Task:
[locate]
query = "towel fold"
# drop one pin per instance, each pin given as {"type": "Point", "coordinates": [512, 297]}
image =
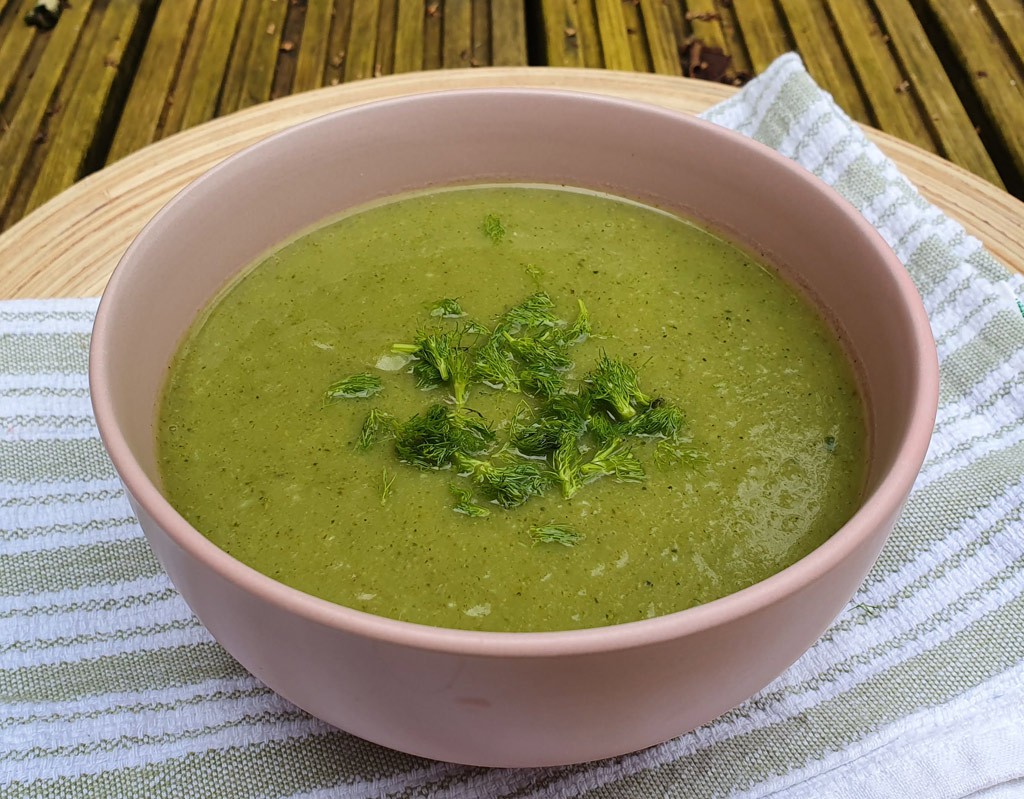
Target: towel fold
{"type": "Point", "coordinates": [109, 685]}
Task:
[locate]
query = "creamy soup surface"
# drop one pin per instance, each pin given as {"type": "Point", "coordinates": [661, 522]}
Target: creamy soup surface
{"type": "Point", "coordinates": [252, 456]}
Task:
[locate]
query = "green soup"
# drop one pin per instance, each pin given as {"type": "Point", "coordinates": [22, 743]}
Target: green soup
{"type": "Point", "coordinates": [253, 458]}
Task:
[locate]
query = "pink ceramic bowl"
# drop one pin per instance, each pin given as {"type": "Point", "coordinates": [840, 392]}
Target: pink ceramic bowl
{"type": "Point", "coordinates": [513, 699]}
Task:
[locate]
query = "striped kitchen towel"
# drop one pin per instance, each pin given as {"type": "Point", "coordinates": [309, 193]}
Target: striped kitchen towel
{"type": "Point", "coordinates": [110, 687]}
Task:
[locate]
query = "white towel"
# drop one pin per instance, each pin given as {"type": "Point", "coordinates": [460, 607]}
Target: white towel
{"type": "Point", "coordinates": [109, 685]}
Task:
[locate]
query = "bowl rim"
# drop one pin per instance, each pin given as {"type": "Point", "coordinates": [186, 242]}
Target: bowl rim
{"type": "Point", "coordinates": [883, 503]}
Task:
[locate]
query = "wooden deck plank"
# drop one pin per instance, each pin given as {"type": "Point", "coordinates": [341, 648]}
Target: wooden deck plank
{"type": "Point", "coordinates": [288, 50]}
{"type": "Point", "coordinates": [819, 47]}
{"type": "Point", "coordinates": [15, 43]}
{"type": "Point", "coordinates": [409, 36]}
{"type": "Point", "coordinates": [238, 63]}
{"type": "Point", "coordinates": [263, 53]}
{"type": "Point", "coordinates": [16, 144]}
{"type": "Point", "coordinates": [480, 52]}
{"type": "Point", "coordinates": [313, 46]}
{"type": "Point", "coordinates": [384, 60]}
{"type": "Point", "coordinates": [993, 75]}
{"type": "Point", "coordinates": [360, 54]}
{"type": "Point", "coordinates": [705, 23]}
{"type": "Point", "coordinates": [885, 85]}
{"type": "Point", "coordinates": [707, 20]}
{"type": "Point", "coordinates": [508, 33]}
{"type": "Point", "coordinates": [185, 82]}
{"type": "Point", "coordinates": [561, 34]}
{"type": "Point", "coordinates": [42, 144]}
{"type": "Point", "coordinates": [735, 47]}
{"type": "Point", "coordinates": [663, 45]}
{"type": "Point", "coordinates": [84, 113]}
{"type": "Point", "coordinates": [458, 33]}
{"type": "Point", "coordinates": [432, 35]}
{"type": "Point", "coordinates": [611, 25]}
{"type": "Point", "coordinates": [151, 87]}
{"type": "Point", "coordinates": [763, 32]}
{"type": "Point", "coordinates": [588, 36]}
{"type": "Point", "coordinates": [635, 35]}
{"type": "Point", "coordinates": [950, 125]}
{"type": "Point", "coordinates": [205, 65]}
{"type": "Point", "coordinates": [1009, 19]}
{"type": "Point", "coordinates": [341, 26]}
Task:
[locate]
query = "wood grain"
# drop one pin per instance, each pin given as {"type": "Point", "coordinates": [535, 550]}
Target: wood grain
{"type": "Point", "coordinates": [950, 125]}
{"type": "Point", "coordinates": [154, 80]}
{"type": "Point", "coordinates": [660, 40]}
{"type": "Point", "coordinates": [884, 83]}
{"type": "Point", "coordinates": [409, 36]}
{"type": "Point", "coordinates": [16, 144]}
{"type": "Point", "coordinates": [994, 75]}
{"type": "Point", "coordinates": [823, 54]}
{"type": "Point", "coordinates": [309, 67]}
{"type": "Point", "coordinates": [611, 23]}
{"type": "Point", "coordinates": [763, 31]}
{"type": "Point", "coordinates": [83, 114]}
{"type": "Point", "coordinates": [69, 246]}
{"type": "Point", "coordinates": [508, 33]}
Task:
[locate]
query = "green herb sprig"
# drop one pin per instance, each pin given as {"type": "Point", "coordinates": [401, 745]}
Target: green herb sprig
{"type": "Point", "coordinates": [566, 433]}
{"type": "Point", "coordinates": [360, 385]}
{"type": "Point", "coordinates": [555, 534]}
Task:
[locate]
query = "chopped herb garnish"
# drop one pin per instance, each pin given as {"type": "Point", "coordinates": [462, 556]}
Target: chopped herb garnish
{"type": "Point", "coordinates": [387, 482]}
{"type": "Point", "coordinates": [568, 463]}
{"type": "Point", "coordinates": [440, 358]}
{"type": "Point", "coordinates": [674, 452]}
{"type": "Point", "coordinates": [558, 417]}
{"type": "Point", "coordinates": [615, 383]}
{"type": "Point", "coordinates": [510, 485]}
{"type": "Point", "coordinates": [493, 228]}
{"type": "Point", "coordinates": [537, 310]}
{"type": "Point", "coordinates": [555, 534]}
{"type": "Point", "coordinates": [566, 432]}
{"type": "Point", "coordinates": [658, 421]}
{"type": "Point", "coordinates": [378, 426]}
{"type": "Point", "coordinates": [464, 502]}
{"type": "Point", "coordinates": [435, 439]}
{"type": "Point", "coordinates": [448, 308]}
{"type": "Point", "coordinates": [579, 331]}
{"type": "Point", "coordinates": [494, 366]}
{"type": "Point", "coordinates": [360, 385]}
{"type": "Point", "coordinates": [615, 460]}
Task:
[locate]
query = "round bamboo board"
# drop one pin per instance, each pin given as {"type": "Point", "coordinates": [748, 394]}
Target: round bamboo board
{"type": "Point", "coordinates": [69, 246]}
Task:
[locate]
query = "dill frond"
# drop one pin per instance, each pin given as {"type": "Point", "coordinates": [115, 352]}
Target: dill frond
{"type": "Point", "coordinates": [657, 421]}
{"type": "Point", "coordinates": [509, 486]}
{"type": "Point", "coordinates": [387, 483]}
{"type": "Point", "coordinates": [616, 383]}
{"type": "Point", "coordinates": [580, 330]}
{"type": "Point", "coordinates": [378, 426]}
{"type": "Point", "coordinates": [555, 534]}
{"type": "Point", "coordinates": [494, 229]}
{"type": "Point", "coordinates": [675, 452]}
{"type": "Point", "coordinates": [435, 439]}
{"type": "Point", "coordinates": [615, 460]}
{"type": "Point", "coordinates": [360, 385]}
{"type": "Point", "coordinates": [448, 308]}
{"type": "Point", "coordinates": [568, 462]}
{"type": "Point", "coordinates": [464, 503]}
